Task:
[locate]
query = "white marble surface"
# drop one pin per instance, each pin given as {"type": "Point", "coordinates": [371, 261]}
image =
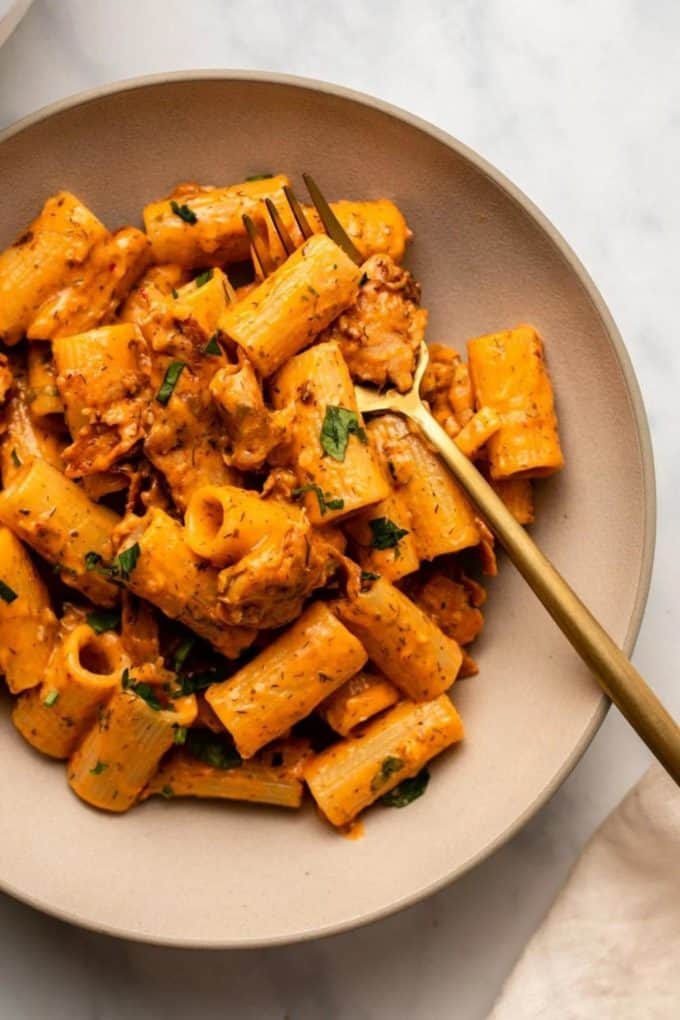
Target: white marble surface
{"type": "Point", "coordinates": [578, 103]}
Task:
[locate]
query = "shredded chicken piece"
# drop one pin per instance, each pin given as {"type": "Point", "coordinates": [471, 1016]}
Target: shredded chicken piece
{"type": "Point", "coordinates": [253, 430]}
{"type": "Point", "coordinates": [115, 409]}
{"type": "Point", "coordinates": [448, 389]}
{"type": "Point", "coordinates": [190, 421]}
{"type": "Point", "coordinates": [268, 586]}
{"type": "Point", "coordinates": [380, 334]}
{"type": "Point", "coordinates": [454, 605]}
{"type": "Point", "coordinates": [279, 485]}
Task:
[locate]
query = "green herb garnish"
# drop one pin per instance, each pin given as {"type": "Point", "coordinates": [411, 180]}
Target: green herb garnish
{"type": "Point", "coordinates": [126, 561]}
{"type": "Point", "coordinates": [167, 792]}
{"type": "Point", "coordinates": [147, 693]}
{"type": "Point", "coordinates": [175, 293]}
{"type": "Point", "coordinates": [388, 768]}
{"type": "Point", "coordinates": [326, 501]}
{"type": "Point", "coordinates": [204, 277]}
{"type": "Point", "coordinates": [103, 621]}
{"type": "Point", "coordinates": [7, 594]}
{"type": "Point", "coordinates": [338, 424]}
{"type": "Point", "coordinates": [212, 750]}
{"type": "Point", "coordinates": [172, 374]}
{"type": "Point", "coordinates": [364, 279]}
{"type": "Point", "coordinates": [407, 791]}
{"type": "Point", "coordinates": [197, 682]}
{"type": "Point", "coordinates": [259, 177]}
{"type": "Point", "coordinates": [386, 534]}
{"type": "Point", "coordinates": [51, 699]}
{"type": "Point", "coordinates": [184, 212]}
{"type": "Point", "coordinates": [179, 656]}
{"type": "Point", "coordinates": [121, 567]}
{"type": "Point", "coordinates": [125, 678]}
{"type": "Point", "coordinates": [16, 459]}
{"type": "Point", "coordinates": [180, 735]}
{"type": "Point", "coordinates": [212, 346]}
{"type": "Point", "coordinates": [100, 767]}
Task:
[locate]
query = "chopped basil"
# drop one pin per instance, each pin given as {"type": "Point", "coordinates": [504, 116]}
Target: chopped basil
{"type": "Point", "coordinates": [6, 593]}
{"type": "Point", "coordinates": [147, 693]}
{"type": "Point", "coordinates": [197, 682]}
{"type": "Point", "coordinates": [16, 459]}
{"type": "Point", "coordinates": [121, 567]}
{"type": "Point", "coordinates": [203, 278]}
{"type": "Point", "coordinates": [126, 561]}
{"type": "Point", "coordinates": [180, 654]}
{"type": "Point", "coordinates": [259, 177]}
{"type": "Point", "coordinates": [175, 293]}
{"type": "Point", "coordinates": [184, 212]}
{"type": "Point", "coordinates": [386, 534]}
{"type": "Point", "coordinates": [213, 750]}
{"type": "Point", "coordinates": [338, 424]}
{"type": "Point", "coordinates": [103, 621]}
{"type": "Point", "coordinates": [180, 735]}
{"type": "Point", "coordinates": [212, 346]}
{"type": "Point", "coordinates": [326, 502]}
{"type": "Point", "coordinates": [167, 792]}
{"type": "Point", "coordinates": [388, 768]}
{"type": "Point", "coordinates": [51, 699]}
{"type": "Point", "coordinates": [172, 374]}
{"type": "Point", "coordinates": [125, 679]}
{"type": "Point", "coordinates": [407, 791]}
{"type": "Point", "coordinates": [100, 767]}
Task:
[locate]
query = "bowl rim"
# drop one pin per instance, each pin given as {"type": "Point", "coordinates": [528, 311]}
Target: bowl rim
{"type": "Point", "coordinates": [529, 209]}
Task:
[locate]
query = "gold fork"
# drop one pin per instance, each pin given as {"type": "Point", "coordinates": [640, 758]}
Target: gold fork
{"type": "Point", "coordinates": [616, 675]}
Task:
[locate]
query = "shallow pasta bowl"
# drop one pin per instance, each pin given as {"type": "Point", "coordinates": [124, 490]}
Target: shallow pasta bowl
{"type": "Point", "coordinates": [219, 875]}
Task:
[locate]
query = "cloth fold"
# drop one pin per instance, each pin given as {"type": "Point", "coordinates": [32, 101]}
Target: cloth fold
{"type": "Point", "coordinates": [609, 948]}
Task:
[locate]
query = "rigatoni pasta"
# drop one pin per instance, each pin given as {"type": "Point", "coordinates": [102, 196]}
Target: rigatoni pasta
{"type": "Point", "coordinates": [217, 580]}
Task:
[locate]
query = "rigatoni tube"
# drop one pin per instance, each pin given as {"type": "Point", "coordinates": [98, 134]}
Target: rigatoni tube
{"type": "Point", "coordinates": [441, 517]}
{"type": "Point", "coordinates": [182, 775]}
{"type": "Point", "coordinates": [48, 254]}
{"type": "Point", "coordinates": [401, 640]}
{"type": "Point", "coordinates": [84, 671]}
{"type": "Point", "coordinates": [359, 698]}
{"type": "Point", "coordinates": [54, 516]}
{"type": "Point", "coordinates": [293, 305]}
{"type": "Point", "coordinates": [170, 576]}
{"type": "Point", "coordinates": [509, 375]}
{"type": "Point", "coordinates": [197, 227]}
{"type": "Point", "coordinates": [27, 624]}
{"type": "Point", "coordinates": [350, 775]}
{"type": "Point", "coordinates": [223, 522]}
{"type": "Point", "coordinates": [119, 754]}
{"type": "Point", "coordinates": [286, 681]}
{"type": "Point", "coordinates": [347, 478]}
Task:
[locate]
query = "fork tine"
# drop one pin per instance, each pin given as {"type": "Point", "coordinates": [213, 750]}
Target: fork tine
{"type": "Point", "coordinates": [259, 246]}
{"type": "Point", "coordinates": [334, 229]}
{"type": "Point", "coordinates": [297, 212]}
{"type": "Point", "coordinates": [284, 237]}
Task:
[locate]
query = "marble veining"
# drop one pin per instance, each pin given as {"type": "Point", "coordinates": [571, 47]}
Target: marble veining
{"type": "Point", "coordinates": [577, 103]}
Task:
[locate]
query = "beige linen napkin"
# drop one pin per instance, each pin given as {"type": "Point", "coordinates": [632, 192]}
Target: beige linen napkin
{"type": "Point", "coordinates": [609, 948]}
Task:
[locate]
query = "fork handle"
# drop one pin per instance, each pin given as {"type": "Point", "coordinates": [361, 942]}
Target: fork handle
{"type": "Point", "coordinates": [614, 672]}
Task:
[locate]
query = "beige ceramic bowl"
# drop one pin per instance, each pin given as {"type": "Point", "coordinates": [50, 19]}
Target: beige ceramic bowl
{"type": "Point", "coordinates": [201, 874]}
